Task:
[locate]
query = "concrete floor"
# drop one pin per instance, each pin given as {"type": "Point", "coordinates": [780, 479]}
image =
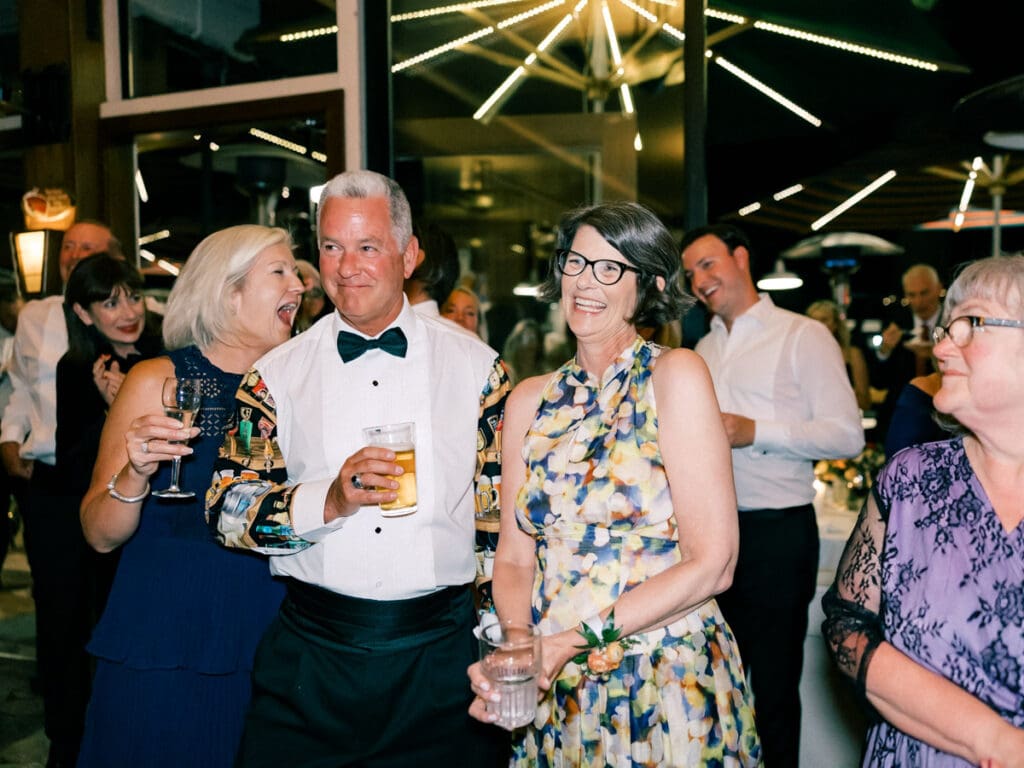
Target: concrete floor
{"type": "Point", "coordinates": [22, 741]}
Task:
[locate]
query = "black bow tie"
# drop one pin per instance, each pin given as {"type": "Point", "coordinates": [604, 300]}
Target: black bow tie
{"type": "Point", "coordinates": [351, 346]}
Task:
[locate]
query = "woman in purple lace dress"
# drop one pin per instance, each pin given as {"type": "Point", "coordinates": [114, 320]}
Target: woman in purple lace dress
{"type": "Point", "coordinates": [927, 611]}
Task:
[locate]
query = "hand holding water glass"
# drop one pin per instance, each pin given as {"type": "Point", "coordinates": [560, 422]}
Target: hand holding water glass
{"type": "Point", "coordinates": [510, 658]}
{"type": "Point", "coordinates": [181, 399]}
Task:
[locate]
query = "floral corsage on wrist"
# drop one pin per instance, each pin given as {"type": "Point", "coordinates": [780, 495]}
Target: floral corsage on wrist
{"type": "Point", "coordinates": [604, 649]}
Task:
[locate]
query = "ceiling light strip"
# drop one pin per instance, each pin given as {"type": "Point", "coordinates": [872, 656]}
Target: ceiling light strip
{"type": "Point", "coordinates": [768, 91]}
{"type": "Point", "coordinates": [735, 18]}
{"type": "Point", "coordinates": [445, 9]}
{"type": "Point", "coordinates": [513, 20]}
{"type": "Point", "coordinates": [163, 234]}
{"type": "Point", "coordinates": [277, 140]}
{"type": "Point", "coordinates": [645, 14]}
{"type": "Point", "coordinates": [787, 192]}
{"type": "Point", "coordinates": [843, 45]}
{"type": "Point", "coordinates": [627, 99]}
{"type": "Point", "coordinates": [306, 34]}
{"type": "Point", "coordinates": [885, 178]}
{"type": "Point", "coordinates": [140, 186]}
{"type": "Point", "coordinates": [746, 210]}
{"type": "Point", "coordinates": [503, 90]}
{"type": "Point", "coordinates": [500, 91]}
{"type": "Point", "coordinates": [613, 40]}
{"type": "Point", "coordinates": [167, 266]}
{"type": "Point", "coordinates": [434, 52]}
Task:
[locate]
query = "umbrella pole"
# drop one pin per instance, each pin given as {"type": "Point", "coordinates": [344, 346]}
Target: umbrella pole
{"type": "Point", "coordinates": [996, 191]}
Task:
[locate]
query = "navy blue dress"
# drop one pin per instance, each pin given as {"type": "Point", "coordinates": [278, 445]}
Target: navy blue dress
{"type": "Point", "coordinates": [175, 645]}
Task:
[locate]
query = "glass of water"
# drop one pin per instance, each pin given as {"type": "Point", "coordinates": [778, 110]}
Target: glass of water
{"type": "Point", "coordinates": [510, 658]}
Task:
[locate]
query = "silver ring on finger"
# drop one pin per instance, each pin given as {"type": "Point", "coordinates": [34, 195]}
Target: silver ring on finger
{"type": "Point", "coordinates": [357, 483]}
{"type": "Point", "coordinates": [145, 446]}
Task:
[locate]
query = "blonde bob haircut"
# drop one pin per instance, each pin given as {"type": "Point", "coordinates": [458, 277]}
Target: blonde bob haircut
{"type": "Point", "coordinates": [198, 308]}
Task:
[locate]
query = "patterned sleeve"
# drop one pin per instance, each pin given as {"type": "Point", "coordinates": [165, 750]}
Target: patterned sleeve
{"type": "Point", "coordinates": [853, 626]}
{"type": "Point", "coordinates": [248, 505]}
{"type": "Point", "coordinates": [488, 441]}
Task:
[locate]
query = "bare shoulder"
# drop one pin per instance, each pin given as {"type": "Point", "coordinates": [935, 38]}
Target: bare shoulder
{"type": "Point", "coordinates": [679, 363]}
{"type": "Point", "coordinates": [147, 376]}
{"type": "Point", "coordinates": [526, 394]}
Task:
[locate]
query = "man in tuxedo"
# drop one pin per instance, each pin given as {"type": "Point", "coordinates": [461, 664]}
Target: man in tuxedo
{"type": "Point", "coordinates": [906, 348]}
{"type": "Point", "coordinates": [366, 663]}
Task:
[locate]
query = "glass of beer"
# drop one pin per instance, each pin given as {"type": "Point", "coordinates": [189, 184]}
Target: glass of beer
{"type": "Point", "coordinates": [399, 438]}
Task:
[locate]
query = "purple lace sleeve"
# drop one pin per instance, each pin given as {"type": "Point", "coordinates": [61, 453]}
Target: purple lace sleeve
{"type": "Point", "coordinates": [853, 626]}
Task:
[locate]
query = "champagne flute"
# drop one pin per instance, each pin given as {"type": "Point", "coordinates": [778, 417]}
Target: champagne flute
{"type": "Point", "coordinates": [181, 399]}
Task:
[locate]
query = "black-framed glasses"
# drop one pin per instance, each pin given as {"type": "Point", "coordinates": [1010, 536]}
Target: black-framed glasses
{"type": "Point", "coordinates": [606, 271]}
{"type": "Point", "coordinates": [961, 329]}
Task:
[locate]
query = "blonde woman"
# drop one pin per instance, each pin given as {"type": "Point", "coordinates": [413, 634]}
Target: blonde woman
{"type": "Point", "coordinates": [828, 313]}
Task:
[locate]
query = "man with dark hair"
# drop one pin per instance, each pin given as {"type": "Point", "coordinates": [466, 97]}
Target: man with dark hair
{"type": "Point", "coordinates": [436, 272]}
{"type": "Point", "coordinates": [366, 664]}
{"type": "Point", "coordinates": [786, 401]}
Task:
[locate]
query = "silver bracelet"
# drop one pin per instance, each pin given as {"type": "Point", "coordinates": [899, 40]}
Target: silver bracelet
{"type": "Point", "coordinates": [114, 494]}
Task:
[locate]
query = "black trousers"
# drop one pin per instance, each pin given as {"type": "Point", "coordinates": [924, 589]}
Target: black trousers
{"type": "Point", "coordinates": [766, 606]}
{"type": "Point", "coordinates": [342, 681]}
{"type": "Point", "coordinates": [62, 589]}
{"type": "Point", "coordinates": [10, 488]}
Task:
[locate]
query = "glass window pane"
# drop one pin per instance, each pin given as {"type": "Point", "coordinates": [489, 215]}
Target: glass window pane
{"type": "Point", "coordinates": [192, 44]}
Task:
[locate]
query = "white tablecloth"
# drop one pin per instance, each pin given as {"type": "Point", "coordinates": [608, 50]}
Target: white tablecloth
{"type": "Point", "coordinates": [833, 722]}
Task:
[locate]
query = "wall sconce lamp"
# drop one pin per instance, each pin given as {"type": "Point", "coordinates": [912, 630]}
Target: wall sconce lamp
{"type": "Point", "coordinates": [780, 279]}
{"type": "Point", "coordinates": [36, 256]}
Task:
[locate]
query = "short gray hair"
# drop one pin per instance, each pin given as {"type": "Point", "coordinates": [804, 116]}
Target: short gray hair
{"type": "Point", "coordinates": [997, 278]}
{"type": "Point", "coordinates": [367, 184]}
{"type": "Point", "coordinates": [197, 308]}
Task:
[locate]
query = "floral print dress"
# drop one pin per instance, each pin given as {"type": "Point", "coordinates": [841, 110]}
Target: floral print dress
{"type": "Point", "coordinates": [597, 501]}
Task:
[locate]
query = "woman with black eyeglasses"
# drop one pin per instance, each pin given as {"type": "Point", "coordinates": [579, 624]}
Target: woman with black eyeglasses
{"type": "Point", "coordinates": [927, 611]}
{"type": "Point", "coordinates": [619, 523]}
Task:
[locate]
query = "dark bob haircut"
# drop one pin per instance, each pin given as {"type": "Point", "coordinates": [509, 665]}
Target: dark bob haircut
{"type": "Point", "coordinates": [94, 279]}
{"type": "Point", "coordinates": [641, 238]}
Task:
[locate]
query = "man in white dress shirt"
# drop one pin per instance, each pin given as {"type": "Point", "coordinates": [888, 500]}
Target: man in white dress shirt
{"type": "Point", "coordinates": [366, 662]}
{"type": "Point", "coordinates": [786, 401]}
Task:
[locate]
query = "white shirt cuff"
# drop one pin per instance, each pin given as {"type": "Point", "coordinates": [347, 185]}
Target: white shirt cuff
{"type": "Point", "coordinates": [769, 436]}
{"type": "Point", "coordinates": [308, 511]}
{"type": "Point", "coordinates": [12, 433]}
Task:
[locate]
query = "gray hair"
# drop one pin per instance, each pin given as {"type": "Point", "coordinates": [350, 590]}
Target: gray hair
{"type": "Point", "coordinates": [997, 278]}
{"type": "Point", "coordinates": [367, 184]}
{"type": "Point", "coordinates": [198, 311]}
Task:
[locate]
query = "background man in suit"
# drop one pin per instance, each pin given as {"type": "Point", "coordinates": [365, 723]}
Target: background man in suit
{"type": "Point", "coordinates": [906, 348]}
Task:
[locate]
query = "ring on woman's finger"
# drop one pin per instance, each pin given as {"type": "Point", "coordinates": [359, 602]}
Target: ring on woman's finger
{"type": "Point", "coordinates": [357, 483]}
{"type": "Point", "coordinates": [145, 446]}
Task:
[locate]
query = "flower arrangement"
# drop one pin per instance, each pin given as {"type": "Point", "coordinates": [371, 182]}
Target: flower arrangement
{"type": "Point", "coordinates": [604, 648]}
{"type": "Point", "coordinates": [857, 475]}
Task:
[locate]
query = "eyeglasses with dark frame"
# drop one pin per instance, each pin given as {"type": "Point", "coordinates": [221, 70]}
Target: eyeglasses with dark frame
{"type": "Point", "coordinates": [606, 271]}
{"type": "Point", "coordinates": [961, 329]}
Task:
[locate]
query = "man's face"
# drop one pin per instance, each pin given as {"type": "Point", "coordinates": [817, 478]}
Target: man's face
{"type": "Point", "coordinates": [81, 240]}
{"type": "Point", "coordinates": [922, 294]}
{"type": "Point", "coordinates": [361, 266]}
{"type": "Point", "coordinates": [717, 277]}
